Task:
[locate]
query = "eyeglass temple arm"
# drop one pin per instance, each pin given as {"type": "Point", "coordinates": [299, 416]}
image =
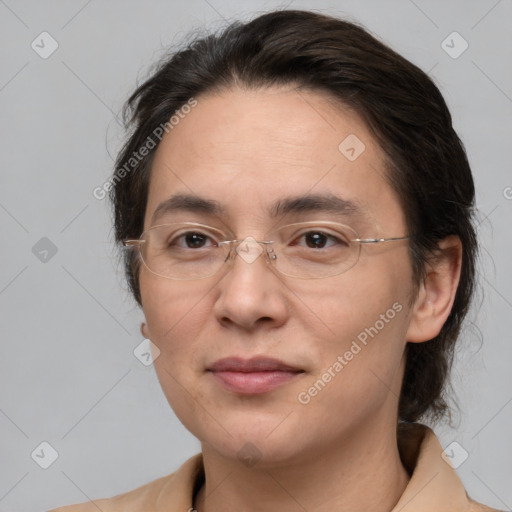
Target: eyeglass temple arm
{"type": "Point", "coordinates": [377, 240]}
{"type": "Point", "coordinates": [132, 242]}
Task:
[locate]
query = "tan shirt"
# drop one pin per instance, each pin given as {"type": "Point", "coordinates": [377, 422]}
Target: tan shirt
{"type": "Point", "coordinates": [434, 486]}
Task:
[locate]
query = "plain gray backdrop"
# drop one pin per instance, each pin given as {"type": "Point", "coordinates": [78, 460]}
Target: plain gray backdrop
{"type": "Point", "coordinates": [69, 376]}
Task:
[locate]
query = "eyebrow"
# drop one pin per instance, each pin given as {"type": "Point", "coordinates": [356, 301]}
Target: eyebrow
{"type": "Point", "coordinates": [323, 203]}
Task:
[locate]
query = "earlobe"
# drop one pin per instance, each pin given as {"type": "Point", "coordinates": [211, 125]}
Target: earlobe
{"type": "Point", "coordinates": [437, 292]}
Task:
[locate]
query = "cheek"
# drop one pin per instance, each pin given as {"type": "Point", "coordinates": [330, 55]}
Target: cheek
{"type": "Point", "coordinates": [174, 314]}
{"type": "Point", "coordinates": [364, 339]}
{"type": "Point", "coordinates": [362, 316]}
{"type": "Point", "coordinates": [166, 303]}
{"type": "Point", "coordinates": [360, 371]}
{"type": "Point", "coordinates": [338, 310]}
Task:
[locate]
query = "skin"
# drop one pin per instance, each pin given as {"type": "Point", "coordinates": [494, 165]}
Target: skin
{"type": "Point", "coordinates": [338, 452]}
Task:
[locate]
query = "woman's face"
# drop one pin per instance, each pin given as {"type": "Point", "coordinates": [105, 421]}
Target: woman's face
{"type": "Point", "coordinates": [246, 150]}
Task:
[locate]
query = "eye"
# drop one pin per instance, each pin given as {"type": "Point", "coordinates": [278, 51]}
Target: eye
{"type": "Point", "coordinates": [190, 240]}
{"type": "Point", "coordinates": [317, 239]}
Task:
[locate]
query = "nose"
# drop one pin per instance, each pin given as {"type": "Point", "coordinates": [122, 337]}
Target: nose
{"type": "Point", "coordinates": [251, 293]}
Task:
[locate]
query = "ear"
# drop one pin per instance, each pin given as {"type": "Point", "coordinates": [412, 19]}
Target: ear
{"type": "Point", "coordinates": [437, 291]}
{"type": "Point", "coordinates": [144, 330]}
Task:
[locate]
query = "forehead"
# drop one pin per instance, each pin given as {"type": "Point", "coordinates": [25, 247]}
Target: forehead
{"type": "Point", "coordinates": [245, 151]}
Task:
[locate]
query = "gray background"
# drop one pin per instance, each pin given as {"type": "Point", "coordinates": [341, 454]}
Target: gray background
{"type": "Point", "coordinates": [69, 327]}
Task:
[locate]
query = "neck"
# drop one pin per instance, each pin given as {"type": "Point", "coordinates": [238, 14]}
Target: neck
{"type": "Point", "coordinates": [361, 473]}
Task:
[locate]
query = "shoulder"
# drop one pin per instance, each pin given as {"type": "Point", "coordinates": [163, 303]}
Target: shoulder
{"type": "Point", "coordinates": [474, 506]}
{"type": "Point", "coordinates": [170, 492]}
{"type": "Point", "coordinates": [127, 502]}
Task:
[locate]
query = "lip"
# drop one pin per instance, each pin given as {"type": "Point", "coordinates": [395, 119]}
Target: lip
{"type": "Point", "coordinates": [254, 364]}
{"type": "Point", "coordinates": [252, 376]}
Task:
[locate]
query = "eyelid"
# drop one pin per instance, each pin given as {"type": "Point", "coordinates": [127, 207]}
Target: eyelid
{"type": "Point", "coordinates": [320, 225]}
{"type": "Point", "coordinates": [190, 226]}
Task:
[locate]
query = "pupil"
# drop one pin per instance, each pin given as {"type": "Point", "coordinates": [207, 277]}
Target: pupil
{"type": "Point", "coordinates": [317, 239]}
{"type": "Point", "coordinates": [195, 239]}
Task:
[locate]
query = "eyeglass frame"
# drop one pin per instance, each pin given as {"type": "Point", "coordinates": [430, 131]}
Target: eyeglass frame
{"type": "Point", "coordinates": [132, 242]}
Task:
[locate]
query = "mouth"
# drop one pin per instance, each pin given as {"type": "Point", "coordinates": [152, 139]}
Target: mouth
{"type": "Point", "coordinates": [253, 376]}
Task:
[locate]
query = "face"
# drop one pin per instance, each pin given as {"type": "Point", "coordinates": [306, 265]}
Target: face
{"type": "Point", "coordinates": [246, 150]}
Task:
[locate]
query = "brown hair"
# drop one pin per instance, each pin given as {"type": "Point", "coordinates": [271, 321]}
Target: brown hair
{"type": "Point", "coordinates": [427, 164]}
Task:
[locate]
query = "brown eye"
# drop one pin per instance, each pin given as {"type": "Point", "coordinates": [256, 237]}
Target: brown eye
{"type": "Point", "coordinates": [318, 239]}
{"type": "Point", "coordinates": [190, 240]}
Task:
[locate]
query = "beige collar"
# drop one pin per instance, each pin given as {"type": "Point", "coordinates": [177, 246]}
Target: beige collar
{"type": "Point", "coordinates": [434, 485]}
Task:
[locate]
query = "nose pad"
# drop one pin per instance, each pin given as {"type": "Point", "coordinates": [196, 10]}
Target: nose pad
{"type": "Point", "coordinates": [271, 254]}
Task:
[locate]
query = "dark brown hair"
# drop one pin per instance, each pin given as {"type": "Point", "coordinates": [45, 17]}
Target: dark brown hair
{"type": "Point", "coordinates": [426, 161]}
